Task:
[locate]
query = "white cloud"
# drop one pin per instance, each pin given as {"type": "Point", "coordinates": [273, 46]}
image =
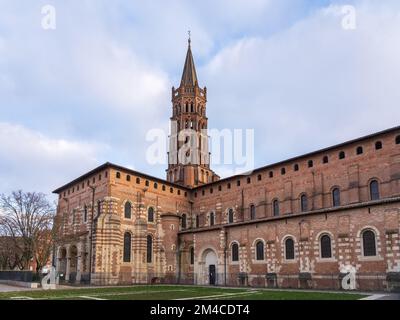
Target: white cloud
{"type": "Point", "coordinates": [31, 160]}
{"type": "Point", "coordinates": [312, 85]}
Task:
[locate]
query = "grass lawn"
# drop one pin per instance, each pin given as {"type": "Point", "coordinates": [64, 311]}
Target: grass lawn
{"type": "Point", "coordinates": [174, 292]}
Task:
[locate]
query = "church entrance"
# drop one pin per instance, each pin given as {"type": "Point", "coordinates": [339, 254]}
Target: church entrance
{"type": "Point", "coordinates": [208, 268]}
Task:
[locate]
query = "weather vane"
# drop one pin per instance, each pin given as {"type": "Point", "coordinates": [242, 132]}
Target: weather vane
{"type": "Point", "coordinates": [190, 34]}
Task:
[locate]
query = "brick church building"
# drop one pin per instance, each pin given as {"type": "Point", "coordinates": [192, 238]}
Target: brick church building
{"type": "Point", "coordinates": [297, 223]}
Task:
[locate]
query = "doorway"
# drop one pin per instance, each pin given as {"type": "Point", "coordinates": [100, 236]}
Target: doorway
{"type": "Point", "coordinates": [211, 274]}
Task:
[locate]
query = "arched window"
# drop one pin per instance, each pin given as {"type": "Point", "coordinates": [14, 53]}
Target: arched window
{"type": "Point", "coordinates": [191, 255]}
{"type": "Point", "coordinates": [369, 244]}
{"type": "Point", "coordinates": [149, 249]}
{"type": "Point", "coordinates": [212, 218]}
{"type": "Point", "coordinates": [374, 190]}
{"type": "Point", "coordinates": [360, 150]}
{"type": "Point", "coordinates": [235, 252]}
{"type": "Point", "coordinates": [304, 203]}
{"type": "Point", "coordinates": [259, 250]}
{"type": "Point", "coordinates": [230, 216]}
{"type": "Point", "coordinates": [289, 249]}
{"type": "Point", "coordinates": [325, 159]}
{"type": "Point", "coordinates": [296, 167]}
{"type": "Point", "coordinates": [342, 155]}
{"type": "Point", "coordinates": [127, 246]}
{"type": "Point", "coordinates": [150, 215]}
{"type": "Point", "coordinates": [310, 164]}
{"type": "Point", "coordinates": [184, 221]}
{"type": "Point", "coordinates": [128, 210]}
{"type": "Point", "coordinates": [378, 145]}
{"type": "Point", "coordinates": [336, 197]}
{"type": "Point", "coordinates": [252, 212]}
{"type": "Point", "coordinates": [275, 207]}
{"type": "Point", "coordinates": [118, 175]}
{"type": "Point", "coordinates": [398, 140]}
{"type": "Point", "coordinates": [326, 248]}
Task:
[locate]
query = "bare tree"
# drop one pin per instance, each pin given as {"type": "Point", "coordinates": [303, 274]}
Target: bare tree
{"type": "Point", "coordinates": [27, 219]}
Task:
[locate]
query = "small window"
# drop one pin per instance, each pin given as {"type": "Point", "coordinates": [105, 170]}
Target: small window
{"type": "Point", "coordinates": [155, 185]}
{"type": "Point", "coordinates": [192, 256]}
{"type": "Point", "coordinates": [325, 160]}
{"type": "Point", "coordinates": [275, 207]}
{"type": "Point", "coordinates": [184, 221]}
{"type": "Point", "coordinates": [304, 203]}
{"type": "Point", "coordinates": [238, 183]}
{"type": "Point", "coordinates": [163, 188]}
{"type": "Point", "coordinates": [219, 188]}
{"type": "Point", "coordinates": [127, 247]}
{"type": "Point", "coordinates": [229, 185]}
{"type": "Point", "coordinates": [212, 218]}
{"type": "Point", "coordinates": [369, 245]}
{"type": "Point", "coordinates": [235, 252]}
{"type": "Point", "coordinates": [138, 180]}
{"type": "Point", "coordinates": [296, 167]}
{"type": "Point", "coordinates": [398, 140]}
{"type": "Point", "coordinates": [118, 175]}
{"type": "Point", "coordinates": [171, 190]}
{"type": "Point", "coordinates": [360, 150]}
{"type": "Point", "coordinates": [179, 192]}
{"type": "Point", "coordinates": [149, 249]}
{"type": "Point", "coordinates": [98, 208]}
{"type": "Point", "coordinates": [271, 174]}
{"type": "Point", "coordinates": [128, 210]}
{"type": "Point", "coordinates": [378, 145]}
{"type": "Point", "coordinates": [310, 164]}
{"type": "Point", "coordinates": [211, 190]}
{"type": "Point", "coordinates": [248, 180]}
{"type": "Point", "coordinates": [283, 171]}
{"type": "Point", "coordinates": [289, 249]}
{"type": "Point", "coordinates": [374, 190]}
{"type": "Point", "coordinates": [342, 155]}
{"type": "Point", "coordinates": [147, 183]}
{"type": "Point", "coordinates": [150, 214]}
{"type": "Point", "coordinates": [259, 250]}
{"type": "Point", "coordinates": [197, 221]}
{"type": "Point", "coordinates": [230, 216]}
{"type": "Point", "coordinates": [326, 247]}
{"type": "Point", "coordinates": [336, 197]}
{"type": "Point", "coordinates": [252, 212]}
{"type": "Point", "coordinates": [85, 214]}
{"type": "Point", "coordinates": [195, 194]}
{"type": "Point", "coordinates": [203, 192]}
{"type": "Point", "coordinates": [128, 178]}
{"type": "Point", "coordinates": [259, 177]}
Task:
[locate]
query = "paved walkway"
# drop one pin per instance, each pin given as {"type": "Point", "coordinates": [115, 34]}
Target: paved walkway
{"type": "Point", "coordinates": [7, 288]}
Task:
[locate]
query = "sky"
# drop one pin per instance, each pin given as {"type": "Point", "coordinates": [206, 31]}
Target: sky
{"type": "Point", "coordinates": [88, 91]}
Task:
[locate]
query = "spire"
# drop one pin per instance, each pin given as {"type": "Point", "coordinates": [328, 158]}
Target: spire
{"type": "Point", "coordinates": [189, 76]}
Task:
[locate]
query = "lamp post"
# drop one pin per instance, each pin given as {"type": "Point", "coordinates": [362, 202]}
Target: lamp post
{"type": "Point", "coordinates": [91, 235]}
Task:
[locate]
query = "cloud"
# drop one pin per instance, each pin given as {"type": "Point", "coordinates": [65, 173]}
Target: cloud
{"type": "Point", "coordinates": [312, 85]}
{"type": "Point", "coordinates": [285, 68]}
{"type": "Point", "coordinates": [32, 161]}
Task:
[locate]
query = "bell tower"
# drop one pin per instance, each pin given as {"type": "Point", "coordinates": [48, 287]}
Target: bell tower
{"type": "Point", "coordinates": [189, 157]}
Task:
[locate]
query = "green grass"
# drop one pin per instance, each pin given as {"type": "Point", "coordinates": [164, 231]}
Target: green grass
{"type": "Point", "coordinates": [174, 292]}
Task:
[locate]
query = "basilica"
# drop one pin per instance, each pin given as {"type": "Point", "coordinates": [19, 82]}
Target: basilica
{"type": "Point", "coordinates": [299, 223]}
